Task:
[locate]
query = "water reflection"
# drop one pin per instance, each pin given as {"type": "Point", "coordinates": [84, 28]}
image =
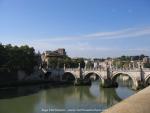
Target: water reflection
{"type": "Point", "coordinates": [31, 99]}
{"type": "Point", "coordinates": [124, 81]}
{"type": "Point", "coordinates": [125, 86]}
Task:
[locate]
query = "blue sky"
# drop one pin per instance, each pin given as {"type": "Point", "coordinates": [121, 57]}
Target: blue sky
{"type": "Point", "coordinates": [85, 28]}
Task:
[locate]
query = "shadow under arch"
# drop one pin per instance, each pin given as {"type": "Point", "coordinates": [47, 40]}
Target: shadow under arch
{"type": "Point", "coordinates": [68, 76]}
{"type": "Point", "coordinates": [115, 76]}
{"type": "Point", "coordinates": [147, 80]}
{"type": "Point", "coordinates": [92, 74]}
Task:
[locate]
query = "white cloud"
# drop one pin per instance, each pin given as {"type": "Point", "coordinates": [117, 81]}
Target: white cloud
{"type": "Point", "coordinates": [82, 45]}
{"type": "Point", "coordinates": [86, 49]}
{"type": "Point", "coordinates": [123, 33]}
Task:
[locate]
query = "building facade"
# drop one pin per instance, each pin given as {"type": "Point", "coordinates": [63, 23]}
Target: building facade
{"type": "Point", "coordinates": [47, 55]}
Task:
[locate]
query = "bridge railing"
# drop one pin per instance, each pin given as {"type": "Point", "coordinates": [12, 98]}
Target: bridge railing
{"type": "Point", "coordinates": [126, 69]}
{"type": "Point", "coordinates": [135, 69]}
{"type": "Point", "coordinates": [71, 69]}
{"type": "Point", "coordinates": [100, 69]}
{"type": "Point", "coordinates": [113, 69]}
{"type": "Point", "coordinates": [93, 69]}
{"type": "Point", "coordinates": [85, 69]}
{"type": "Point", "coordinates": [146, 69]}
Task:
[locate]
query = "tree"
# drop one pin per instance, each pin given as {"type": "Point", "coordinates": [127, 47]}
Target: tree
{"type": "Point", "coordinates": [17, 58]}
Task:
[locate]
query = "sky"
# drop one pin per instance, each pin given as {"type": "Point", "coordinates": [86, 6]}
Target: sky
{"type": "Point", "coordinates": [85, 28]}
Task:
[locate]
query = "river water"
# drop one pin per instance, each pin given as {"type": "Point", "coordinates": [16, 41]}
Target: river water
{"type": "Point", "coordinates": [62, 99]}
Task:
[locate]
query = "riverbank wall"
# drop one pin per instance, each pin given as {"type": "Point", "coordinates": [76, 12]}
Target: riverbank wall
{"type": "Point", "coordinates": [137, 103]}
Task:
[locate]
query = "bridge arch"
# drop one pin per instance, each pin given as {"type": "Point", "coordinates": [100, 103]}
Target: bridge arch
{"type": "Point", "coordinates": [114, 77]}
{"type": "Point", "coordinates": [89, 74]}
{"type": "Point", "coordinates": [147, 80]}
{"type": "Point", "coordinates": [68, 76]}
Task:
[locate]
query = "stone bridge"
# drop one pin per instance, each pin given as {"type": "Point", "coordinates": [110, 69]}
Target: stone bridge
{"type": "Point", "coordinates": [108, 76]}
{"type": "Point", "coordinates": [139, 76]}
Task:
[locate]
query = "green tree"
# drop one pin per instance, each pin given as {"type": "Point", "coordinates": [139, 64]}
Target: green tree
{"type": "Point", "coordinates": [17, 58]}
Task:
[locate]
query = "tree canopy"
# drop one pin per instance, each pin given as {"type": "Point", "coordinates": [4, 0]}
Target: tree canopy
{"type": "Point", "coordinates": [15, 58]}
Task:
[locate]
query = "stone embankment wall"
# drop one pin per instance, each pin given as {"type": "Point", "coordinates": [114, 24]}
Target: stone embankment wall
{"type": "Point", "coordinates": [137, 103]}
{"type": "Point", "coordinates": [36, 75]}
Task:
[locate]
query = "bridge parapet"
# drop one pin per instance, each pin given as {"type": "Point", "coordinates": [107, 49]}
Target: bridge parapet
{"type": "Point", "coordinates": [146, 69]}
{"type": "Point", "coordinates": [71, 69]}
{"type": "Point", "coordinates": [125, 69]}
{"type": "Point", "coordinates": [113, 69]}
{"type": "Point", "coordinates": [136, 74]}
{"type": "Point", "coordinates": [93, 69]}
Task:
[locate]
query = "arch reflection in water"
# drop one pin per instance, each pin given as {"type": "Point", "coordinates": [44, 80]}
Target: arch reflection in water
{"type": "Point", "coordinates": [32, 99]}
{"type": "Point", "coordinates": [125, 86]}
{"type": "Point", "coordinates": [123, 80]}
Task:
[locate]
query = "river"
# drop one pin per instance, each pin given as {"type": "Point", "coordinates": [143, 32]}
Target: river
{"type": "Point", "coordinates": [62, 99]}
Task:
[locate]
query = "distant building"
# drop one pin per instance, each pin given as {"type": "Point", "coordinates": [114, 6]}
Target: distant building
{"type": "Point", "coordinates": [59, 53]}
{"type": "Point", "coordinates": [99, 63]}
{"type": "Point", "coordinates": [146, 60]}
